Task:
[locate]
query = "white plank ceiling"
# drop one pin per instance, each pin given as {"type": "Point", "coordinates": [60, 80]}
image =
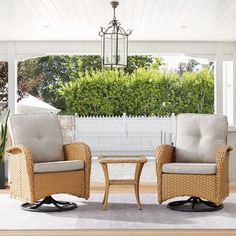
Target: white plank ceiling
{"type": "Point", "coordinates": [192, 20]}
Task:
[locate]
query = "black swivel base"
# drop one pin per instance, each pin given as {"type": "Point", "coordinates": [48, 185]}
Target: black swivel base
{"type": "Point", "coordinates": [57, 205]}
{"type": "Point", "coordinates": [194, 204]}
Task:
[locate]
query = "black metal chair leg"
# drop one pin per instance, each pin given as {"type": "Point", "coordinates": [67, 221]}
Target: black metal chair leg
{"type": "Point", "coordinates": [57, 205]}
{"type": "Point", "coordinates": [194, 204]}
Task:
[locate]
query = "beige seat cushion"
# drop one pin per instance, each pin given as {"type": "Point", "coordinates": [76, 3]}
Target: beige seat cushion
{"type": "Point", "coordinates": [190, 168]}
{"type": "Point", "coordinates": [199, 137]}
{"type": "Point", "coordinates": [41, 133]}
{"type": "Point", "coordinates": [58, 166]}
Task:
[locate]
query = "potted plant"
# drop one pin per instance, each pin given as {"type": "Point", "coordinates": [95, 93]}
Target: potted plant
{"type": "Point", "coordinates": [3, 142]}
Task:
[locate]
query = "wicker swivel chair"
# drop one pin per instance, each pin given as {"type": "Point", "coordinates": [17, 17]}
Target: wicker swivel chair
{"type": "Point", "coordinates": [197, 166]}
{"type": "Point", "coordinates": [40, 165]}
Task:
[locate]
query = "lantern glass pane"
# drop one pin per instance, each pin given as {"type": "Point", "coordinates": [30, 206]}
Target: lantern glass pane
{"type": "Point", "coordinates": [110, 45]}
{"type": "Point", "coordinates": [107, 49]}
{"type": "Point", "coordinates": [114, 48]}
{"type": "Point", "coordinates": [122, 49]}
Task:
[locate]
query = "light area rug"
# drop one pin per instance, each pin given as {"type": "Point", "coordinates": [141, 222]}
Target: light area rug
{"type": "Point", "coordinates": [122, 213]}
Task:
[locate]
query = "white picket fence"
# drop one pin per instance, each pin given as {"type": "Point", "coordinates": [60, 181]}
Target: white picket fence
{"type": "Point", "coordinates": [124, 135]}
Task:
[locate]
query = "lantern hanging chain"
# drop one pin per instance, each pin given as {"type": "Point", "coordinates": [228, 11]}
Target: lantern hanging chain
{"type": "Point", "coordinates": [114, 24]}
{"type": "Point", "coordinates": [114, 5]}
{"type": "Point", "coordinates": [114, 13]}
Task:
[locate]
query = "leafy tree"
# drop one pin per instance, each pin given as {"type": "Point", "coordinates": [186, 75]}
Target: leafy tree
{"type": "Point", "coordinates": [190, 66]}
{"type": "Point", "coordinates": [210, 66]}
{"type": "Point", "coordinates": [44, 77]}
{"type": "Point", "coordinates": [181, 68]}
{"type": "Point", "coordinates": [90, 63]}
{"type": "Point", "coordinates": [136, 61]}
{"type": "Point", "coordinates": [58, 70]}
{"type": "Point", "coordinates": [146, 61]}
{"type": "Point", "coordinates": [25, 84]}
{"type": "Point", "coordinates": [3, 82]}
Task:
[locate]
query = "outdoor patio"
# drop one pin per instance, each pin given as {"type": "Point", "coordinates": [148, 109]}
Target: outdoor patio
{"type": "Point", "coordinates": [114, 116]}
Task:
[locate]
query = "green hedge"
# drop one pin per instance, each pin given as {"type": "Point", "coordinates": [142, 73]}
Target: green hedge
{"type": "Point", "coordinates": [144, 92]}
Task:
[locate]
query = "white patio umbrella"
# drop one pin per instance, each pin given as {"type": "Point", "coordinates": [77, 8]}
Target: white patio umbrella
{"type": "Point", "coordinates": [31, 104]}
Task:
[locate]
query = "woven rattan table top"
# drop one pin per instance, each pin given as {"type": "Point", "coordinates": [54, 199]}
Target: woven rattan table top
{"type": "Point", "coordinates": [122, 159]}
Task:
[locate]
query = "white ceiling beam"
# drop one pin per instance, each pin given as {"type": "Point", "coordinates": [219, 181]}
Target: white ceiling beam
{"type": "Point", "coordinates": [28, 49]}
{"type": "Point", "coordinates": [135, 47]}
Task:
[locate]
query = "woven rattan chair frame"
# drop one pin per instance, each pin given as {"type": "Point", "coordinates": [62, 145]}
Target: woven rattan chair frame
{"type": "Point", "coordinates": [30, 187]}
{"type": "Point", "coordinates": [214, 188]}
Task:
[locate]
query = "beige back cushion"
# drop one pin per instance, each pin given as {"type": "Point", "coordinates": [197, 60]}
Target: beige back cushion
{"type": "Point", "coordinates": [41, 133]}
{"type": "Point", "coordinates": [199, 136]}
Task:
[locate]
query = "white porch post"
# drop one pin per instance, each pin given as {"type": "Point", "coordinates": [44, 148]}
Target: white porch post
{"type": "Point", "coordinates": [12, 78]}
{"type": "Point", "coordinates": [218, 91]}
{"type": "Point", "coordinates": [234, 86]}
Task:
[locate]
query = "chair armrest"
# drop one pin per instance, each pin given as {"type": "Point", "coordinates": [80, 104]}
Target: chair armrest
{"type": "Point", "coordinates": [222, 172]}
{"type": "Point", "coordinates": [222, 158]}
{"type": "Point", "coordinates": [165, 153]}
{"type": "Point", "coordinates": [80, 151]}
{"type": "Point", "coordinates": [24, 154]}
{"type": "Point", "coordinates": [21, 170]}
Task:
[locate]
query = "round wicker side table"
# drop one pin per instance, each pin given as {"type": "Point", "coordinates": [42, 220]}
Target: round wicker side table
{"type": "Point", "coordinates": [138, 160]}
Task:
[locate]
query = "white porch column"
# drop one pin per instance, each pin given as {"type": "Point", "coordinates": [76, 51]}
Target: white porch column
{"type": "Point", "coordinates": [12, 78]}
{"type": "Point", "coordinates": [234, 86]}
{"type": "Point", "coordinates": [218, 91]}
